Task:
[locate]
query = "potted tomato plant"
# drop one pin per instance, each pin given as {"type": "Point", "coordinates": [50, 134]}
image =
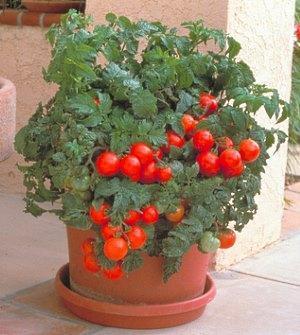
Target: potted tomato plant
{"type": "Point", "coordinates": [149, 156]}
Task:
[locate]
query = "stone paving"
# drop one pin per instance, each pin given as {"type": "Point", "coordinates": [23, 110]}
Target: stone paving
{"type": "Point", "coordinates": [258, 296]}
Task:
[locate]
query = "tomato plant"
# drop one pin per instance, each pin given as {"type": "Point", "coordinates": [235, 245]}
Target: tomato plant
{"type": "Point", "coordinates": [121, 144]}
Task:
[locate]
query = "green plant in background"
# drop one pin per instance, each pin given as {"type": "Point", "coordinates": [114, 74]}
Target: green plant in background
{"type": "Point", "coordinates": [156, 149]}
{"type": "Point", "coordinates": [294, 129]}
{"type": "Point", "coordinates": [10, 3]}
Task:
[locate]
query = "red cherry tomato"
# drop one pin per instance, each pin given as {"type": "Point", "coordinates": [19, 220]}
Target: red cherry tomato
{"type": "Point", "coordinates": [113, 273]}
{"type": "Point", "coordinates": [133, 217]}
{"type": "Point", "coordinates": [99, 216]}
{"type": "Point", "coordinates": [164, 174]}
{"type": "Point", "coordinates": [227, 238]}
{"type": "Point", "coordinates": [297, 31]}
{"type": "Point", "coordinates": [148, 175]}
{"type": "Point", "coordinates": [107, 164]}
{"type": "Point", "coordinates": [97, 101]}
{"type": "Point", "coordinates": [137, 237]}
{"type": "Point", "coordinates": [143, 152]}
{"type": "Point", "coordinates": [115, 248]}
{"type": "Point", "coordinates": [224, 143]}
{"type": "Point", "coordinates": [150, 214]}
{"type": "Point", "coordinates": [203, 140]}
{"type": "Point", "coordinates": [173, 139]}
{"type": "Point", "coordinates": [90, 263]}
{"type": "Point", "coordinates": [208, 102]}
{"type": "Point", "coordinates": [158, 154]}
{"type": "Point", "coordinates": [188, 123]}
{"type": "Point", "coordinates": [131, 167]}
{"type": "Point", "coordinates": [208, 164]}
{"type": "Point", "coordinates": [87, 247]}
{"type": "Point", "coordinates": [249, 150]}
{"type": "Point", "coordinates": [231, 163]}
{"type": "Point", "coordinates": [109, 231]}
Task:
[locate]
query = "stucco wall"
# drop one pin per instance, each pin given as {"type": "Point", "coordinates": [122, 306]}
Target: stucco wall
{"type": "Point", "coordinates": [23, 53]}
{"type": "Point", "coordinates": [265, 30]}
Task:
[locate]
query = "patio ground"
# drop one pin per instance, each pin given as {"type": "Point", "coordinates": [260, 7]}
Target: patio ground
{"type": "Point", "coordinates": [258, 296]}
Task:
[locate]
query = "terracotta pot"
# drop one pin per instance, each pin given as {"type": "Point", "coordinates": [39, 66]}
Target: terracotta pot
{"type": "Point", "coordinates": [7, 117]}
{"type": "Point", "coordinates": [53, 6]}
{"type": "Point", "coordinates": [140, 300]}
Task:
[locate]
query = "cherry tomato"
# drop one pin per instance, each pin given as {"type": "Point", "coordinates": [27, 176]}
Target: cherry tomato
{"type": "Point", "coordinates": [90, 263]}
{"type": "Point", "coordinates": [97, 101]}
{"type": "Point", "coordinates": [188, 123]}
{"type": "Point", "coordinates": [114, 273]}
{"type": "Point", "coordinates": [107, 164]}
{"type": "Point", "coordinates": [158, 154]}
{"type": "Point", "coordinates": [227, 238]}
{"type": "Point", "coordinates": [176, 216]}
{"type": "Point", "coordinates": [150, 214]}
{"type": "Point", "coordinates": [133, 217]}
{"type": "Point", "coordinates": [208, 102]}
{"type": "Point", "coordinates": [209, 243]}
{"type": "Point", "coordinates": [143, 152]}
{"type": "Point", "coordinates": [208, 164]}
{"type": "Point", "coordinates": [87, 246]}
{"type": "Point", "coordinates": [115, 248]}
{"type": "Point", "coordinates": [164, 174]}
{"type": "Point", "coordinates": [173, 139]}
{"type": "Point", "coordinates": [203, 140]}
{"type": "Point", "coordinates": [81, 184]}
{"type": "Point", "coordinates": [148, 175]}
{"type": "Point", "coordinates": [109, 231]}
{"type": "Point", "coordinates": [249, 150]}
{"type": "Point", "coordinates": [231, 163]}
{"type": "Point", "coordinates": [131, 167]}
{"type": "Point", "coordinates": [224, 143]}
{"type": "Point", "coordinates": [137, 237]}
{"type": "Point", "coordinates": [99, 216]}
{"type": "Point", "coordinates": [297, 31]}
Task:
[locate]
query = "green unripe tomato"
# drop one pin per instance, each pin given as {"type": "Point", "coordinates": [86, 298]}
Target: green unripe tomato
{"type": "Point", "coordinates": [81, 184]}
{"type": "Point", "coordinates": [67, 182]}
{"type": "Point", "coordinates": [209, 243]}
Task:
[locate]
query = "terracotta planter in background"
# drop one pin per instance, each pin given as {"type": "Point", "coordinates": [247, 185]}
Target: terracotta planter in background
{"type": "Point", "coordinates": [53, 6]}
{"type": "Point", "coordinates": [7, 117]}
{"type": "Point", "coordinates": [140, 300]}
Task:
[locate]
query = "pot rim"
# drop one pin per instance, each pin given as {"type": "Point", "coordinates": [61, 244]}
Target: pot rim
{"type": "Point", "coordinates": [131, 309]}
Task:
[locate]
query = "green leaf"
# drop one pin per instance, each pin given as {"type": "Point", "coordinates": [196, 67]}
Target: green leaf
{"type": "Point", "coordinates": [144, 103]}
{"type": "Point", "coordinates": [171, 265]}
{"type": "Point", "coordinates": [132, 261]}
{"type": "Point", "coordinates": [234, 47]}
{"type": "Point", "coordinates": [186, 101]}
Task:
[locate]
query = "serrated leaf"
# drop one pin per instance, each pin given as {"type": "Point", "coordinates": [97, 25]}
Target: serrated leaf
{"type": "Point", "coordinates": [144, 103]}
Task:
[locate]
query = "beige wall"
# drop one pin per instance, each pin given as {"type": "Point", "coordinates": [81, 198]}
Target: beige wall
{"type": "Point", "coordinates": [23, 53]}
{"type": "Point", "coordinates": [265, 29]}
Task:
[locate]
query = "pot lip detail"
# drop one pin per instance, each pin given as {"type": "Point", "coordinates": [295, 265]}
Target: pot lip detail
{"type": "Point", "coordinates": [147, 310]}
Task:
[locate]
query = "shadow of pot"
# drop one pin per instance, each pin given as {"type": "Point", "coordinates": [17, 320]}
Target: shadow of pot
{"type": "Point", "coordinates": [140, 300]}
{"type": "Point", "coordinates": [7, 117]}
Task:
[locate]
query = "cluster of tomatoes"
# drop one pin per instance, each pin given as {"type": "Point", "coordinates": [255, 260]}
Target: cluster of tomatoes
{"type": "Point", "coordinates": [228, 161]}
{"type": "Point", "coordinates": [139, 165]}
{"type": "Point", "coordinates": [117, 239]}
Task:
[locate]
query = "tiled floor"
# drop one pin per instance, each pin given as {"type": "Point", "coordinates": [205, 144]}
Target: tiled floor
{"type": "Point", "coordinates": [258, 296]}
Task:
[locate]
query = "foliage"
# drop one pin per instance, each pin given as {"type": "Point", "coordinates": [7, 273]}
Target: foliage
{"type": "Point", "coordinates": [148, 77]}
{"type": "Point", "coordinates": [294, 129]}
